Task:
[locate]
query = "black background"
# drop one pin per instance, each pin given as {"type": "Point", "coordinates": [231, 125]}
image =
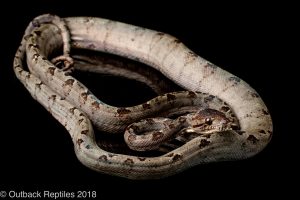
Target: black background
{"type": "Point", "coordinates": [246, 40]}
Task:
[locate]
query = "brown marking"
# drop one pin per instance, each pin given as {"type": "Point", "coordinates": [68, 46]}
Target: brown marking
{"type": "Point", "coordinates": [131, 138]}
{"type": "Point", "coordinates": [160, 33]}
{"type": "Point", "coordinates": [69, 82]}
{"type": "Point", "coordinates": [96, 105]}
{"type": "Point", "coordinates": [157, 135]}
{"type": "Point", "coordinates": [111, 155]}
{"type": "Point", "coordinates": [103, 158]}
{"type": "Point", "coordinates": [128, 161]}
{"type": "Point", "coordinates": [141, 159]}
{"type": "Point", "coordinates": [177, 157]}
{"type": "Point", "coordinates": [189, 57]}
{"type": "Point", "coordinates": [38, 33]}
{"type": "Point", "coordinates": [177, 41]}
{"type": "Point", "coordinates": [123, 111]}
{"type": "Point", "coordinates": [204, 143]}
{"type": "Point", "coordinates": [170, 155]}
{"type": "Point", "coordinates": [51, 70]}
{"type": "Point", "coordinates": [210, 65]}
{"type": "Point", "coordinates": [81, 114]}
{"type": "Point", "coordinates": [33, 45]}
{"type": "Point", "coordinates": [171, 126]}
{"type": "Point", "coordinates": [72, 110]}
{"type": "Point", "coordinates": [84, 95]}
{"type": "Point", "coordinates": [171, 97]}
{"type": "Point", "coordinates": [225, 108]}
{"type": "Point", "coordinates": [252, 139]}
{"type": "Point", "coordinates": [150, 121]}
{"type": "Point", "coordinates": [209, 98]}
{"type": "Point", "coordinates": [265, 112]}
{"type": "Point", "coordinates": [53, 97]}
{"type": "Point", "coordinates": [255, 95]}
{"type": "Point", "coordinates": [44, 58]}
{"type": "Point", "coordinates": [262, 131]}
{"type": "Point", "coordinates": [79, 141]}
{"type": "Point", "coordinates": [85, 132]}
{"type": "Point", "coordinates": [146, 106]}
{"type": "Point", "coordinates": [91, 46]}
{"type": "Point", "coordinates": [38, 85]}
{"type": "Point", "coordinates": [35, 56]}
{"type": "Point", "coordinates": [235, 79]}
{"type": "Point", "coordinates": [181, 119]}
{"type": "Point", "coordinates": [79, 121]}
{"type": "Point", "coordinates": [192, 94]}
{"type": "Point", "coordinates": [134, 128]}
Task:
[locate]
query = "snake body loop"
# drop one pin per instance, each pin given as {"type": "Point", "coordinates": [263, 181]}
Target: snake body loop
{"type": "Point", "coordinates": [246, 123]}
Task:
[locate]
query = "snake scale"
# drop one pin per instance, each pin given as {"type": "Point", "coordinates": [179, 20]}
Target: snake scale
{"type": "Point", "coordinates": [231, 119]}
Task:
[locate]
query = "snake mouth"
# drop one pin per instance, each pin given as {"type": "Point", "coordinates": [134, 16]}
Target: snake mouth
{"type": "Point", "coordinates": [205, 129]}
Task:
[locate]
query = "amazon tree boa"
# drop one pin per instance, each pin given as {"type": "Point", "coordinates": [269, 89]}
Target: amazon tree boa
{"type": "Point", "coordinates": [219, 118]}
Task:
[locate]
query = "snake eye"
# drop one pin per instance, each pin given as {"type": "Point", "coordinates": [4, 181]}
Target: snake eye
{"type": "Point", "coordinates": [208, 121]}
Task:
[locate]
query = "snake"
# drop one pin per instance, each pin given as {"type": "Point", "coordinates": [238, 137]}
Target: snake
{"type": "Point", "coordinates": [228, 117]}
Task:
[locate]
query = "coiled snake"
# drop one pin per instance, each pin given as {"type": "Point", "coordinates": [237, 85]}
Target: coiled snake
{"type": "Point", "coordinates": [227, 118]}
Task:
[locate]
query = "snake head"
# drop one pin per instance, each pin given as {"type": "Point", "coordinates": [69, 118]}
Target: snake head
{"type": "Point", "coordinates": [210, 120]}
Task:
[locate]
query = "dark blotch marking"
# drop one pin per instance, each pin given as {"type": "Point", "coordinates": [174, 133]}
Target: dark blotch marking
{"type": "Point", "coordinates": [225, 108]}
{"type": "Point", "coordinates": [255, 95]}
{"type": "Point", "coordinates": [171, 126]}
{"type": "Point", "coordinates": [72, 110]}
{"type": "Point", "coordinates": [265, 112]}
{"type": "Point", "coordinates": [177, 157]}
{"type": "Point", "coordinates": [235, 79]}
{"type": "Point", "coordinates": [111, 155]}
{"type": "Point", "coordinates": [210, 65]}
{"type": "Point", "coordinates": [157, 135]}
{"type": "Point", "coordinates": [84, 95]}
{"type": "Point", "coordinates": [181, 119]}
{"type": "Point", "coordinates": [170, 155]}
{"type": "Point", "coordinates": [131, 138]}
{"type": "Point", "coordinates": [103, 158]}
{"type": "Point", "coordinates": [209, 98]}
{"type": "Point", "coordinates": [177, 41]}
{"type": "Point", "coordinates": [79, 141]}
{"type": "Point", "coordinates": [96, 105]}
{"type": "Point", "coordinates": [81, 114]}
{"type": "Point", "coordinates": [141, 159]}
{"type": "Point", "coordinates": [262, 131]}
{"type": "Point", "coordinates": [204, 143]}
{"type": "Point", "coordinates": [87, 146]}
{"type": "Point", "coordinates": [38, 33]}
{"type": "Point", "coordinates": [128, 161]}
{"type": "Point", "coordinates": [150, 121]}
{"type": "Point", "coordinates": [84, 132]}
{"type": "Point", "coordinates": [146, 106]}
{"type": "Point", "coordinates": [69, 82]}
{"type": "Point", "coordinates": [33, 45]}
{"type": "Point", "coordinates": [38, 85]}
{"type": "Point", "coordinates": [134, 128]}
{"type": "Point", "coordinates": [160, 33]}
{"type": "Point", "coordinates": [51, 70]}
{"type": "Point", "coordinates": [53, 97]}
{"type": "Point", "coordinates": [171, 97]}
{"type": "Point", "coordinates": [123, 111]}
{"type": "Point", "coordinates": [252, 139]}
{"type": "Point", "coordinates": [35, 56]}
{"type": "Point", "coordinates": [79, 121]}
{"type": "Point", "coordinates": [192, 94]}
